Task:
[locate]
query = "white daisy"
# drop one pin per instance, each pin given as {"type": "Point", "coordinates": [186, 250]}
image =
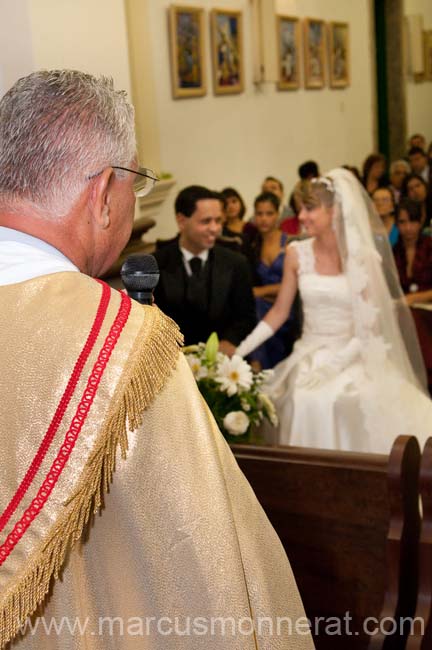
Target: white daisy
{"type": "Point", "coordinates": [199, 371]}
{"type": "Point", "coordinates": [234, 374]}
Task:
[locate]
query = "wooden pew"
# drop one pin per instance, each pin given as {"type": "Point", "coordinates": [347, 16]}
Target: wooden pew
{"type": "Point", "coordinates": [421, 637]}
{"type": "Point", "coordinates": [349, 523]}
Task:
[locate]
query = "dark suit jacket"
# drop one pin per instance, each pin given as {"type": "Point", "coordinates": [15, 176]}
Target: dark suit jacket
{"type": "Point", "coordinates": [231, 305]}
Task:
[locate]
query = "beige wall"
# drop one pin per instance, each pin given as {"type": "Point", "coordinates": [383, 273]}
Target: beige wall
{"type": "Point", "coordinates": [16, 58]}
{"type": "Point", "coordinates": [89, 35]}
{"type": "Point", "coordinates": [419, 95]}
{"type": "Point", "coordinates": [238, 139]}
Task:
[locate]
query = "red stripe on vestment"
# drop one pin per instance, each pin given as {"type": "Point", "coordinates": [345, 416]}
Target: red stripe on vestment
{"type": "Point", "coordinates": [61, 409]}
{"type": "Point", "coordinates": [73, 432]}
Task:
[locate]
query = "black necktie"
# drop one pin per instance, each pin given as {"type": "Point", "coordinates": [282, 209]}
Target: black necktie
{"type": "Point", "coordinates": [195, 264]}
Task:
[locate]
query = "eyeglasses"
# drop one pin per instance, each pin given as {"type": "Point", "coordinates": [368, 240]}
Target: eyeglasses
{"type": "Point", "coordinates": [144, 180]}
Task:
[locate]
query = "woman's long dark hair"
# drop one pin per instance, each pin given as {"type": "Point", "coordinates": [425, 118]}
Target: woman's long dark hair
{"type": "Point", "coordinates": [369, 163]}
{"type": "Point", "coordinates": [230, 192]}
{"type": "Point", "coordinates": [428, 199]}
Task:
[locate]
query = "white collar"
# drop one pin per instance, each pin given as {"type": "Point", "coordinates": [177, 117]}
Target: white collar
{"type": "Point", "coordinates": [23, 257]}
{"type": "Point", "coordinates": [188, 255]}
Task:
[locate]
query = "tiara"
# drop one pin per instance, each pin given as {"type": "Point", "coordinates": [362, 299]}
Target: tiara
{"type": "Point", "coordinates": [325, 180]}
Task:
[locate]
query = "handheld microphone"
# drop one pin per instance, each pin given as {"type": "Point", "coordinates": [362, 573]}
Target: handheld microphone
{"type": "Point", "coordinates": [140, 274]}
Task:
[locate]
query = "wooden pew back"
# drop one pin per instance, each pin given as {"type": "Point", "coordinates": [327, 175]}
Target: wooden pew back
{"type": "Point", "coordinates": [344, 519]}
{"type": "Point", "coordinates": [421, 636]}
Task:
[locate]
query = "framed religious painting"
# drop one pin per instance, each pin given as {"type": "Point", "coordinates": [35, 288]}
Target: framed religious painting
{"type": "Point", "coordinates": [339, 68]}
{"type": "Point", "coordinates": [288, 52]}
{"type": "Point", "coordinates": [427, 38]}
{"type": "Point", "coordinates": [187, 44]}
{"type": "Point", "coordinates": [314, 53]}
{"type": "Point", "coordinates": [227, 51]}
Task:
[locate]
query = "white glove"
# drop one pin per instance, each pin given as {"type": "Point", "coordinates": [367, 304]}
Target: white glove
{"type": "Point", "coordinates": [341, 360]}
{"type": "Point", "coordinates": [259, 334]}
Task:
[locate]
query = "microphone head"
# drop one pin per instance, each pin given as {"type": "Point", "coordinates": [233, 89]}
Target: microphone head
{"type": "Point", "coordinates": [140, 273]}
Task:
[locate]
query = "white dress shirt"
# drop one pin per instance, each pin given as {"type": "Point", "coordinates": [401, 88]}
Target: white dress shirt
{"type": "Point", "coordinates": [23, 257]}
{"type": "Point", "coordinates": [187, 256]}
{"type": "Point", "coordinates": [425, 174]}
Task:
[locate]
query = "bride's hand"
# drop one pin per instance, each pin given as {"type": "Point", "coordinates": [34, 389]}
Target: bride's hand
{"type": "Point", "coordinates": [341, 360]}
{"type": "Point", "coordinates": [317, 377]}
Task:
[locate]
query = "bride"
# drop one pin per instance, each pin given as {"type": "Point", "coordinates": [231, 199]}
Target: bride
{"type": "Point", "coordinates": [355, 379]}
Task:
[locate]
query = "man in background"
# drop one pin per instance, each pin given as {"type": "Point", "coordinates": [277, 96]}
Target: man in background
{"type": "Point", "coordinates": [419, 162]}
{"type": "Point", "coordinates": [417, 140]}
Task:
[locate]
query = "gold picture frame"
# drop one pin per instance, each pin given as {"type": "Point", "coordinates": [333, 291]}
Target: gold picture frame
{"type": "Point", "coordinates": [314, 52]}
{"type": "Point", "coordinates": [187, 45]}
{"type": "Point", "coordinates": [288, 38]}
{"type": "Point", "coordinates": [427, 39]}
{"type": "Point", "coordinates": [339, 53]}
{"type": "Point", "coordinates": [227, 51]}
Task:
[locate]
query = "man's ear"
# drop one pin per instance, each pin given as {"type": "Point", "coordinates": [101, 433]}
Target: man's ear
{"type": "Point", "coordinates": [181, 218]}
{"type": "Point", "coordinates": [100, 198]}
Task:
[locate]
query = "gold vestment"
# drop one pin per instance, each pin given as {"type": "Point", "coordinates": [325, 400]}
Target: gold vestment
{"type": "Point", "coordinates": [177, 543]}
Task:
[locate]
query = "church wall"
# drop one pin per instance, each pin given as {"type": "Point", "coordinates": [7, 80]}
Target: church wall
{"type": "Point", "coordinates": [419, 95]}
{"type": "Point", "coordinates": [89, 36]}
{"type": "Point", "coordinates": [16, 59]}
{"type": "Point", "coordinates": [238, 139]}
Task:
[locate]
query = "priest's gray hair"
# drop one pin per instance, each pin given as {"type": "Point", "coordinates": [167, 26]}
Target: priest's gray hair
{"type": "Point", "coordinates": [58, 128]}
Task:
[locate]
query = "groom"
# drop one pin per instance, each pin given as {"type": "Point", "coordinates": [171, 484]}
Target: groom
{"type": "Point", "coordinates": [204, 287]}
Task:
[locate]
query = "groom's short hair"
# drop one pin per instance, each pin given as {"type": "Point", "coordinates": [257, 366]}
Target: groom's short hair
{"type": "Point", "coordinates": [187, 199]}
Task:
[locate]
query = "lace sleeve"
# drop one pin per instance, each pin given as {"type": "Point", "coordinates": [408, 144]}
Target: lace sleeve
{"type": "Point", "coordinates": [305, 255]}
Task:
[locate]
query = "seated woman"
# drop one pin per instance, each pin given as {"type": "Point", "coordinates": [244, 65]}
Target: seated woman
{"type": "Point", "coordinates": [415, 188]}
{"type": "Point", "coordinates": [234, 212]}
{"type": "Point", "coordinates": [413, 254]}
{"type": "Point", "coordinates": [269, 253]}
{"type": "Point", "coordinates": [236, 234]}
{"type": "Point", "coordinates": [385, 204]}
{"type": "Point", "coordinates": [374, 172]}
{"type": "Point", "coordinates": [355, 379]}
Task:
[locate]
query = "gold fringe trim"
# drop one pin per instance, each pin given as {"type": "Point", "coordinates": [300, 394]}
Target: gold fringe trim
{"type": "Point", "coordinates": [151, 362]}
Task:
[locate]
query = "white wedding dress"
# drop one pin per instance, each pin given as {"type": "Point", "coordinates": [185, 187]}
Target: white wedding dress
{"type": "Point", "coordinates": [349, 409]}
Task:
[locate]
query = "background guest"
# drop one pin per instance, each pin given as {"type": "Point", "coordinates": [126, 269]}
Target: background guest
{"type": "Point", "coordinates": [419, 163]}
{"type": "Point", "coordinates": [413, 253]}
{"type": "Point", "coordinates": [275, 186]}
{"type": "Point", "coordinates": [385, 204]}
{"type": "Point", "coordinates": [353, 170]}
{"type": "Point", "coordinates": [308, 170]}
{"type": "Point", "coordinates": [234, 212]}
{"type": "Point", "coordinates": [417, 140]}
{"type": "Point", "coordinates": [374, 172]}
{"type": "Point", "coordinates": [236, 234]}
{"type": "Point", "coordinates": [399, 170]}
{"type": "Point", "coordinates": [415, 188]}
{"type": "Point", "coordinates": [429, 153]}
{"type": "Point", "coordinates": [268, 269]}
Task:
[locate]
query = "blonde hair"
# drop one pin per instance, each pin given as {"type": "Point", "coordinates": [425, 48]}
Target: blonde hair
{"type": "Point", "coordinates": [316, 192]}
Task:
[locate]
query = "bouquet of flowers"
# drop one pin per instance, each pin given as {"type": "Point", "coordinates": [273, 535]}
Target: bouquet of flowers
{"type": "Point", "coordinates": [230, 388]}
